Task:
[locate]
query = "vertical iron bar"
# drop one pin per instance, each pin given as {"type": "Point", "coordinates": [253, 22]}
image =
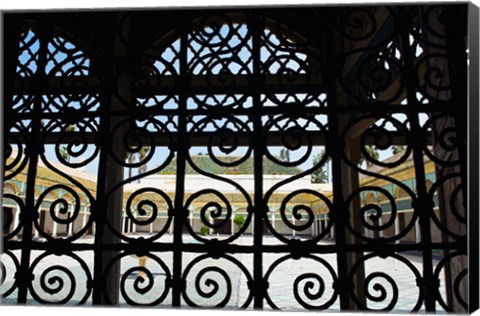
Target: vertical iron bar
{"type": "Point", "coordinates": [334, 147]}
{"type": "Point", "coordinates": [9, 70]}
{"type": "Point", "coordinates": [258, 144]}
{"type": "Point", "coordinates": [457, 54]}
{"type": "Point", "coordinates": [455, 26]}
{"type": "Point", "coordinates": [422, 206]}
{"type": "Point", "coordinates": [472, 157]}
{"type": "Point", "coordinates": [99, 208]}
{"type": "Point", "coordinates": [11, 38]}
{"type": "Point", "coordinates": [33, 150]}
{"type": "Point", "coordinates": [182, 152]}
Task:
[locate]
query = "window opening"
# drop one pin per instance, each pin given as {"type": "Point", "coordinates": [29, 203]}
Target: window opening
{"type": "Point", "coordinates": [212, 159]}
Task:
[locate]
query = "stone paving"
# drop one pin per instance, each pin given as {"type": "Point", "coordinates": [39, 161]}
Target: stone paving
{"type": "Point", "coordinates": [281, 279]}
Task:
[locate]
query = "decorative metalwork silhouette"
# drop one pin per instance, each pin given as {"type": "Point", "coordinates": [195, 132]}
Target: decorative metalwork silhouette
{"type": "Point", "coordinates": [122, 90]}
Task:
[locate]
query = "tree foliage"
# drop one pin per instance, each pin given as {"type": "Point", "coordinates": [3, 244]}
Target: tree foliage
{"type": "Point", "coordinates": [132, 157]}
{"type": "Point", "coordinates": [397, 149]}
{"type": "Point", "coordinates": [204, 231]}
{"type": "Point", "coordinates": [372, 152]}
{"type": "Point", "coordinates": [320, 175]}
{"type": "Point", "coordinates": [64, 149]}
{"type": "Point", "coordinates": [64, 153]}
{"type": "Point", "coordinates": [285, 155]}
{"type": "Point", "coordinates": [239, 220]}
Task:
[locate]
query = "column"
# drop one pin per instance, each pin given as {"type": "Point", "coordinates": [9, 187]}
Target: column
{"type": "Point", "coordinates": [70, 226]}
{"type": "Point", "coordinates": [16, 218]}
{"type": "Point", "coordinates": [253, 223]}
{"type": "Point", "coordinates": [397, 226]}
{"type": "Point", "coordinates": [312, 228]}
{"type": "Point", "coordinates": [191, 219]}
{"type": "Point", "coordinates": [84, 223]}
{"type": "Point", "coordinates": [170, 228]}
{"type": "Point", "coordinates": [333, 232]}
{"type": "Point", "coordinates": [417, 231]}
{"type": "Point", "coordinates": [36, 234]}
{"type": "Point", "coordinates": [210, 230]}
{"type": "Point", "coordinates": [380, 223]}
{"type": "Point", "coordinates": [273, 218]}
{"type": "Point", "coordinates": [55, 226]}
{"type": "Point", "coordinates": [94, 226]}
{"type": "Point", "coordinates": [366, 231]}
{"type": "Point", "coordinates": [293, 221]}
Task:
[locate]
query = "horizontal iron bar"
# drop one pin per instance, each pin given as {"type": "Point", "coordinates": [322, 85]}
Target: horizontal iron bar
{"type": "Point", "coordinates": [287, 109]}
{"type": "Point", "coordinates": [203, 138]}
{"type": "Point", "coordinates": [387, 248]}
{"type": "Point", "coordinates": [167, 85]}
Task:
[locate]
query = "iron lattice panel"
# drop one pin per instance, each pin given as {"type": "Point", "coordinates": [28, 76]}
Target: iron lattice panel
{"type": "Point", "coordinates": [123, 90]}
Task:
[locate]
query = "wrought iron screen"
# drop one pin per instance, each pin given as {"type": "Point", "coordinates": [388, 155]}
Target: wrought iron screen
{"type": "Point", "coordinates": [237, 158]}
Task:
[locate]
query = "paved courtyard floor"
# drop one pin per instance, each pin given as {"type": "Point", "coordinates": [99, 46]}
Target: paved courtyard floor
{"type": "Point", "coordinates": [207, 281]}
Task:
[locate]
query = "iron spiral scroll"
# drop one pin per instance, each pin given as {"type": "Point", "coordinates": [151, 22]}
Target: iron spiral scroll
{"type": "Point", "coordinates": [302, 158]}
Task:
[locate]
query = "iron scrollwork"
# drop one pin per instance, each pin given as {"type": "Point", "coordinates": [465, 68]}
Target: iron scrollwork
{"type": "Point", "coordinates": [207, 286]}
{"type": "Point", "coordinates": [312, 289]}
{"type": "Point", "coordinates": [134, 98]}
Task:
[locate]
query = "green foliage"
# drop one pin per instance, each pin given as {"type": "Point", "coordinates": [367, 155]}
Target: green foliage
{"type": "Point", "coordinates": [285, 155]}
{"type": "Point", "coordinates": [205, 163]}
{"type": "Point", "coordinates": [239, 220]}
{"type": "Point", "coordinates": [397, 149]}
{"type": "Point", "coordinates": [64, 153]}
{"type": "Point", "coordinates": [70, 128]}
{"type": "Point", "coordinates": [141, 156]}
{"type": "Point", "coordinates": [63, 149]}
{"type": "Point", "coordinates": [132, 157]}
{"type": "Point", "coordinates": [320, 175]}
{"type": "Point", "coordinates": [372, 151]}
{"type": "Point", "coordinates": [204, 231]}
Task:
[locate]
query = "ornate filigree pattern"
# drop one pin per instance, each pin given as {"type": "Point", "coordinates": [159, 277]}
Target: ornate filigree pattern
{"type": "Point", "coordinates": [209, 282]}
{"type": "Point", "coordinates": [381, 289]}
{"type": "Point", "coordinates": [312, 289]}
{"type": "Point", "coordinates": [59, 284]}
{"type": "Point", "coordinates": [28, 54]}
{"type": "Point", "coordinates": [268, 158]}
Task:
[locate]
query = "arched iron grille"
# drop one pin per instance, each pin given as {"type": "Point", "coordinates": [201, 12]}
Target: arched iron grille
{"type": "Point", "coordinates": [137, 94]}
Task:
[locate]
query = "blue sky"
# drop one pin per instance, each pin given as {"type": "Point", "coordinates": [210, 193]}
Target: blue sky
{"type": "Point", "coordinates": [169, 57]}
